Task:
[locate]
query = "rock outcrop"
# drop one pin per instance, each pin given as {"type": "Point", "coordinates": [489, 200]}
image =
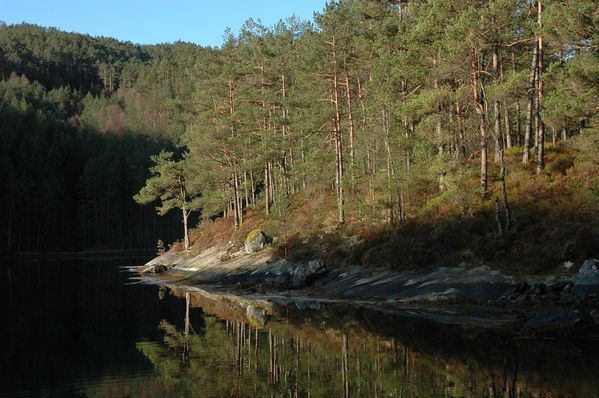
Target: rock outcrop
{"type": "Point", "coordinates": [586, 280]}
{"type": "Point", "coordinates": [255, 316]}
{"type": "Point", "coordinates": [255, 241]}
{"type": "Point", "coordinates": [304, 274]}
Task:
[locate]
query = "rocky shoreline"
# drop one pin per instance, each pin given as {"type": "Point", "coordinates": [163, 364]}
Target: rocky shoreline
{"type": "Point", "coordinates": [555, 306]}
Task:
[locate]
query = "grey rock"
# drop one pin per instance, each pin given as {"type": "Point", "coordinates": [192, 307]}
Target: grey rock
{"type": "Point", "coordinates": [256, 241]}
{"type": "Point", "coordinates": [159, 269]}
{"type": "Point", "coordinates": [282, 279]}
{"type": "Point", "coordinates": [255, 316]}
{"type": "Point", "coordinates": [560, 322]}
{"type": "Point", "coordinates": [303, 274]}
{"type": "Point", "coordinates": [586, 281]}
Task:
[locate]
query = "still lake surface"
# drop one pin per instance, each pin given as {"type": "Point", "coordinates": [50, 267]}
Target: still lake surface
{"type": "Point", "coordinates": [87, 329]}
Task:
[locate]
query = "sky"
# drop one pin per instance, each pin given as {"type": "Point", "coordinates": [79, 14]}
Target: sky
{"type": "Point", "coordinates": [154, 21]}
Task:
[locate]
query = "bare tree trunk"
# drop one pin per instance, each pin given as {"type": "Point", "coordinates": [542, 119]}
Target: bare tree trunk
{"type": "Point", "coordinates": [185, 231]}
{"type": "Point", "coordinates": [385, 118]}
{"type": "Point", "coordinates": [438, 127]}
{"type": "Point", "coordinates": [518, 123]}
{"type": "Point", "coordinates": [496, 107]}
{"type": "Point", "coordinates": [541, 126]}
{"type": "Point", "coordinates": [338, 141]}
{"type": "Point", "coordinates": [502, 175]}
{"type": "Point", "coordinates": [187, 304]}
{"type": "Point", "coordinates": [237, 197]}
{"type": "Point", "coordinates": [480, 109]}
{"type": "Point", "coordinates": [461, 136]}
{"type": "Point", "coordinates": [402, 207]}
{"type": "Point", "coordinates": [500, 149]}
{"type": "Point", "coordinates": [350, 119]}
{"type": "Point", "coordinates": [266, 189]}
{"type": "Point", "coordinates": [518, 111]}
{"type": "Point", "coordinates": [508, 127]}
{"type": "Point", "coordinates": [529, 106]}
{"type": "Point", "coordinates": [498, 134]}
{"type": "Point", "coordinates": [245, 188]}
{"type": "Point", "coordinates": [498, 217]}
{"type": "Point", "coordinates": [345, 367]}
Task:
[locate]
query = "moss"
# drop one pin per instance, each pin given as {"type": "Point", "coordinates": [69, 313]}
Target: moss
{"type": "Point", "coordinates": [253, 234]}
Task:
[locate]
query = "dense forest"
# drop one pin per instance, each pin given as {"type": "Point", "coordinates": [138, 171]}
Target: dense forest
{"type": "Point", "coordinates": [468, 123]}
{"type": "Point", "coordinates": [79, 119]}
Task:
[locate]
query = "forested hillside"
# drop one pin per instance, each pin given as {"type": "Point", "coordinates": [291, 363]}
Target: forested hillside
{"type": "Point", "coordinates": [418, 131]}
{"type": "Point", "coordinates": [79, 119]}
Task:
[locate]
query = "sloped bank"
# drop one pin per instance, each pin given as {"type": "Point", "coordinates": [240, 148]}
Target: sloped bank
{"type": "Point", "coordinates": [261, 269]}
{"type": "Point", "coordinates": [258, 272]}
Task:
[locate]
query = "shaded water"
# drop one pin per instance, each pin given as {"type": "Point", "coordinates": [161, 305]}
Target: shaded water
{"type": "Point", "coordinates": [80, 328]}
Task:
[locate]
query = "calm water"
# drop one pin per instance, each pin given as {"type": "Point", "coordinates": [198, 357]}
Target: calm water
{"type": "Point", "coordinates": [84, 329]}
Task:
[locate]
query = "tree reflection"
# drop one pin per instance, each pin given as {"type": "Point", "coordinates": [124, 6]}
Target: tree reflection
{"type": "Point", "coordinates": [233, 358]}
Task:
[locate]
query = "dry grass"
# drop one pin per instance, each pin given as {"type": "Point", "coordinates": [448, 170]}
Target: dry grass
{"type": "Point", "coordinates": [556, 220]}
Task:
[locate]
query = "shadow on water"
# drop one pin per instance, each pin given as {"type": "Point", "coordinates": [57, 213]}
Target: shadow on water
{"type": "Point", "coordinates": [83, 328]}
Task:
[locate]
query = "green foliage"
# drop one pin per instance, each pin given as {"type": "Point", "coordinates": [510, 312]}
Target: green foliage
{"type": "Point", "coordinates": [372, 105]}
{"type": "Point", "coordinates": [168, 185]}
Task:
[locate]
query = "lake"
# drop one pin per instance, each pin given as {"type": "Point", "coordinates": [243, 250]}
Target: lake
{"type": "Point", "coordinates": [88, 329]}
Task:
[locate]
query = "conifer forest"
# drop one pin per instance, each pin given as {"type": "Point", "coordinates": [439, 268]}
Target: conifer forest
{"type": "Point", "coordinates": [465, 129]}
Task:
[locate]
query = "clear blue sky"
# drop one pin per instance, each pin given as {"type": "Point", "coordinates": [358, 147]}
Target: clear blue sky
{"type": "Point", "coordinates": [154, 21]}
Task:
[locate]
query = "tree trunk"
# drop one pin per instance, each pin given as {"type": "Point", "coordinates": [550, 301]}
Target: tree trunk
{"type": "Point", "coordinates": [480, 109]}
{"type": "Point", "coordinates": [385, 118]}
{"type": "Point", "coordinates": [529, 106]}
{"type": "Point", "coordinates": [253, 188]}
{"type": "Point", "coordinates": [498, 217]}
{"type": "Point", "coordinates": [266, 189]}
{"type": "Point", "coordinates": [237, 213]}
{"type": "Point", "coordinates": [508, 127]}
{"type": "Point", "coordinates": [185, 231]}
{"type": "Point", "coordinates": [438, 127]}
{"type": "Point", "coordinates": [518, 123]}
{"type": "Point", "coordinates": [541, 127]}
{"type": "Point", "coordinates": [496, 108]}
{"type": "Point", "coordinates": [338, 141]}
{"type": "Point", "coordinates": [350, 119]}
{"type": "Point", "coordinates": [187, 304]}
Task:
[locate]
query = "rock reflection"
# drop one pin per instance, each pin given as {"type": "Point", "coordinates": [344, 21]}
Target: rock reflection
{"type": "Point", "coordinates": [322, 353]}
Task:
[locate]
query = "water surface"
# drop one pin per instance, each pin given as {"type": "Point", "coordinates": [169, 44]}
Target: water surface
{"type": "Point", "coordinates": [85, 329]}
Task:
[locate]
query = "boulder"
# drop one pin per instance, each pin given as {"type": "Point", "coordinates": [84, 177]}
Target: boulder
{"type": "Point", "coordinates": [255, 241]}
{"type": "Point", "coordinates": [586, 280]}
{"type": "Point", "coordinates": [282, 279]}
{"type": "Point", "coordinates": [560, 322]}
{"type": "Point", "coordinates": [255, 316]}
{"type": "Point", "coordinates": [160, 268]}
{"type": "Point", "coordinates": [303, 274]}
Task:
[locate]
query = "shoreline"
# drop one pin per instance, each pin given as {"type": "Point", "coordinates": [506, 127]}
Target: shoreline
{"type": "Point", "coordinates": [470, 297]}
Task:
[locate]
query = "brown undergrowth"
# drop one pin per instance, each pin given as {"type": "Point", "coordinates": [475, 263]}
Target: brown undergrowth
{"type": "Point", "coordinates": [556, 219]}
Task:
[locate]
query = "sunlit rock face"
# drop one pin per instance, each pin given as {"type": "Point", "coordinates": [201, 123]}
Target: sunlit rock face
{"type": "Point", "coordinates": [587, 279]}
{"type": "Point", "coordinates": [255, 241]}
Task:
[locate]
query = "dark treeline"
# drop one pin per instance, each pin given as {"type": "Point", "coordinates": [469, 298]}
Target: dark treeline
{"type": "Point", "coordinates": [79, 119]}
{"type": "Point", "coordinates": [390, 110]}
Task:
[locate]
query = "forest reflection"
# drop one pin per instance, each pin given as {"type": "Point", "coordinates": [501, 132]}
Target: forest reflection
{"type": "Point", "coordinates": [221, 352]}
